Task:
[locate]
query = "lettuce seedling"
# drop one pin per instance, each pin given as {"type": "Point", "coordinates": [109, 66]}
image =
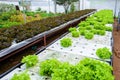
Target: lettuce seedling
{"type": "Point", "coordinates": [88, 27]}
{"type": "Point", "coordinates": [93, 31]}
{"type": "Point", "coordinates": [21, 76]}
{"type": "Point", "coordinates": [82, 32]}
{"type": "Point", "coordinates": [101, 32]}
{"type": "Point", "coordinates": [103, 53]}
{"type": "Point", "coordinates": [75, 34]}
{"type": "Point", "coordinates": [66, 42]}
{"type": "Point", "coordinates": [89, 35]}
{"type": "Point", "coordinates": [108, 28]}
{"type": "Point", "coordinates": [72, 29]}
{"type": "Point", "coordinates": [47, 67]}
{"type": "Point", "coordinates": [30, 60]}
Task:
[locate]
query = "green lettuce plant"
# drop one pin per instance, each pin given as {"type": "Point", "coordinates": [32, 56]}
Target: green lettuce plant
{"type": "Point", "coordinates": [93, 31]}
{"type": "Point", "coordinates": [83, 24]}
{"type": "Point", "coordinates": [108, 28]}
{"type": "Point", "coordinates": [86, 69]}
{"type": "Point", "coordinates": [101, 32]}
{"type": "Point", "coordinates": [89, 35]}
{"type": "Point", "coordinates": [72, 29]}
{"type": "Point", "coordinates": [82, 32]}
{"type": "Point", "coordinates": [88, 27]}
{"type": "Point", "coordinates": [81, 28]}
{"type": "Point", "coordinates": [21, 76]}
{"type": "Point", "coordinates": [94, 70]}
{"type": "Point", "coordinates": [64, 72]}
{"type": "Point", "coordinates": [47, 67]}
{"type": "Point", "coordinates": [99, 26]}
{"type": "Point", "coordinates": [66, 42]}
{"type": "Point", "coordinates": [103, 53]}
{"type": "Point", "coordinates": [30, 60]}
{"type": "Point", "coordinates": [75, 34]}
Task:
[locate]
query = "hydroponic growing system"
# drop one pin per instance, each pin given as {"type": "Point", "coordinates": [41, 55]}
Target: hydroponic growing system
{"type": "Point", "coordinates": [84, 53]}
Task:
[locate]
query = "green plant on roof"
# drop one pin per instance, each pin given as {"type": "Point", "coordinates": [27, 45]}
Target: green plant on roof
{"type": "Point", "coordinates": [30, 60]}
{"type": "Point", "coordinates": [75, 34]}
{"type": "Point", "coordinates": [103, 53]}
{"type": "Point", "coordinates": [72, 29]}
{"type": "Point", "coordinates": [66, 42]}
{"type": "Point", "coordinates": [89, 35]}
{"type": "Point", "coordinates": [21, 76]}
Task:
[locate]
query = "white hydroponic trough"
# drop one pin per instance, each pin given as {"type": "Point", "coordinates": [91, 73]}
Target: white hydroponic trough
{"type": "Point", "coordinates": [44, 55]}
{"type": "Point", "coordinates": [83, 46]}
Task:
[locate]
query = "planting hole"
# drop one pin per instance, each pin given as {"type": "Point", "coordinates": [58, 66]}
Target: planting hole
{"type": "Point", "coordinates": [95, 45]}
{"type": "Point", "coordinates": [70, 49]}
{"type": "Point", "coordinates": [86, 44]}
{"type": "Point", "coordinates": [46, 78]}
{"type": "Point", "coordinates": [64, 55]}
{"type": "Point", "coordinates": [19, 70]}
{"type": "Point", "coordinates": [93, 49]}
{"type": "Point", "coordinates": [32, 74]}
{"type": "Point", "coordinates": [83, 47]}
{"type": "Point", "coordinates": [74, 46]}
{"type": "Point", "coordinates": [77, 42]}
{"type": "Point", "coordinates": [52, 46]}
{"type": "Point", "coordinates": [61, 48]}
{"type": "Point", "coordinates": [76, 58]}
{"type": "Point", "coordinates": [92, 54]}
{"type": "Point", "coordinates": [81, 52]}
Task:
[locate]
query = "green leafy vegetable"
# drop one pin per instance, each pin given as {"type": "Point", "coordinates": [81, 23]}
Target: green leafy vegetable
{"type": "Point", "coordinates": [104, 53]}
{"type": "Point", "coordinates": [89, 35]}
{"type": "Point", "coordinates": [63, 72]}
{"type": "Point", "coordinates": [82, 32]}
{"type": "Point", "coordinates": [93, 31]}
{"type": "Point", "coordinates": [101, 32]}
{"type": "Point", "coordinates": [30, 60]}
{"type": "Point", "coordinates": [21, 76]}
{"type": "Point", "coordinates": [75, 34]}
{"type": "Point", "coordinates": [94, 70]}
{"type": "Point", "coordinates": [88, 27]}
{"type": "Point", "coordinates": [72, 29]}
{"type": "Point", "coordinates": [47, 67]}
{"type": "Point", "coordinates": [109, 28]}
{"type": "Point", "coordinates": [66, 42]}
{"type": "Point", "coordinates": [86, 69]}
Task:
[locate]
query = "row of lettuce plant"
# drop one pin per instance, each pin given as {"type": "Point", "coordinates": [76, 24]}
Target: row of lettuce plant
{"type": "Point", "coordinates": [103, 53]}
{"type": "Point", "coordinates": [95, 24]}
{"type": "Point", "coordinates": [86, 69]}
{"type": "Point", "coordinates": [30, 29]}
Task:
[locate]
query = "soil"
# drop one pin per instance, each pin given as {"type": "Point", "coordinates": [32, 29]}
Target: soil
{"type": "Point", "coordinates": [116, 51]}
